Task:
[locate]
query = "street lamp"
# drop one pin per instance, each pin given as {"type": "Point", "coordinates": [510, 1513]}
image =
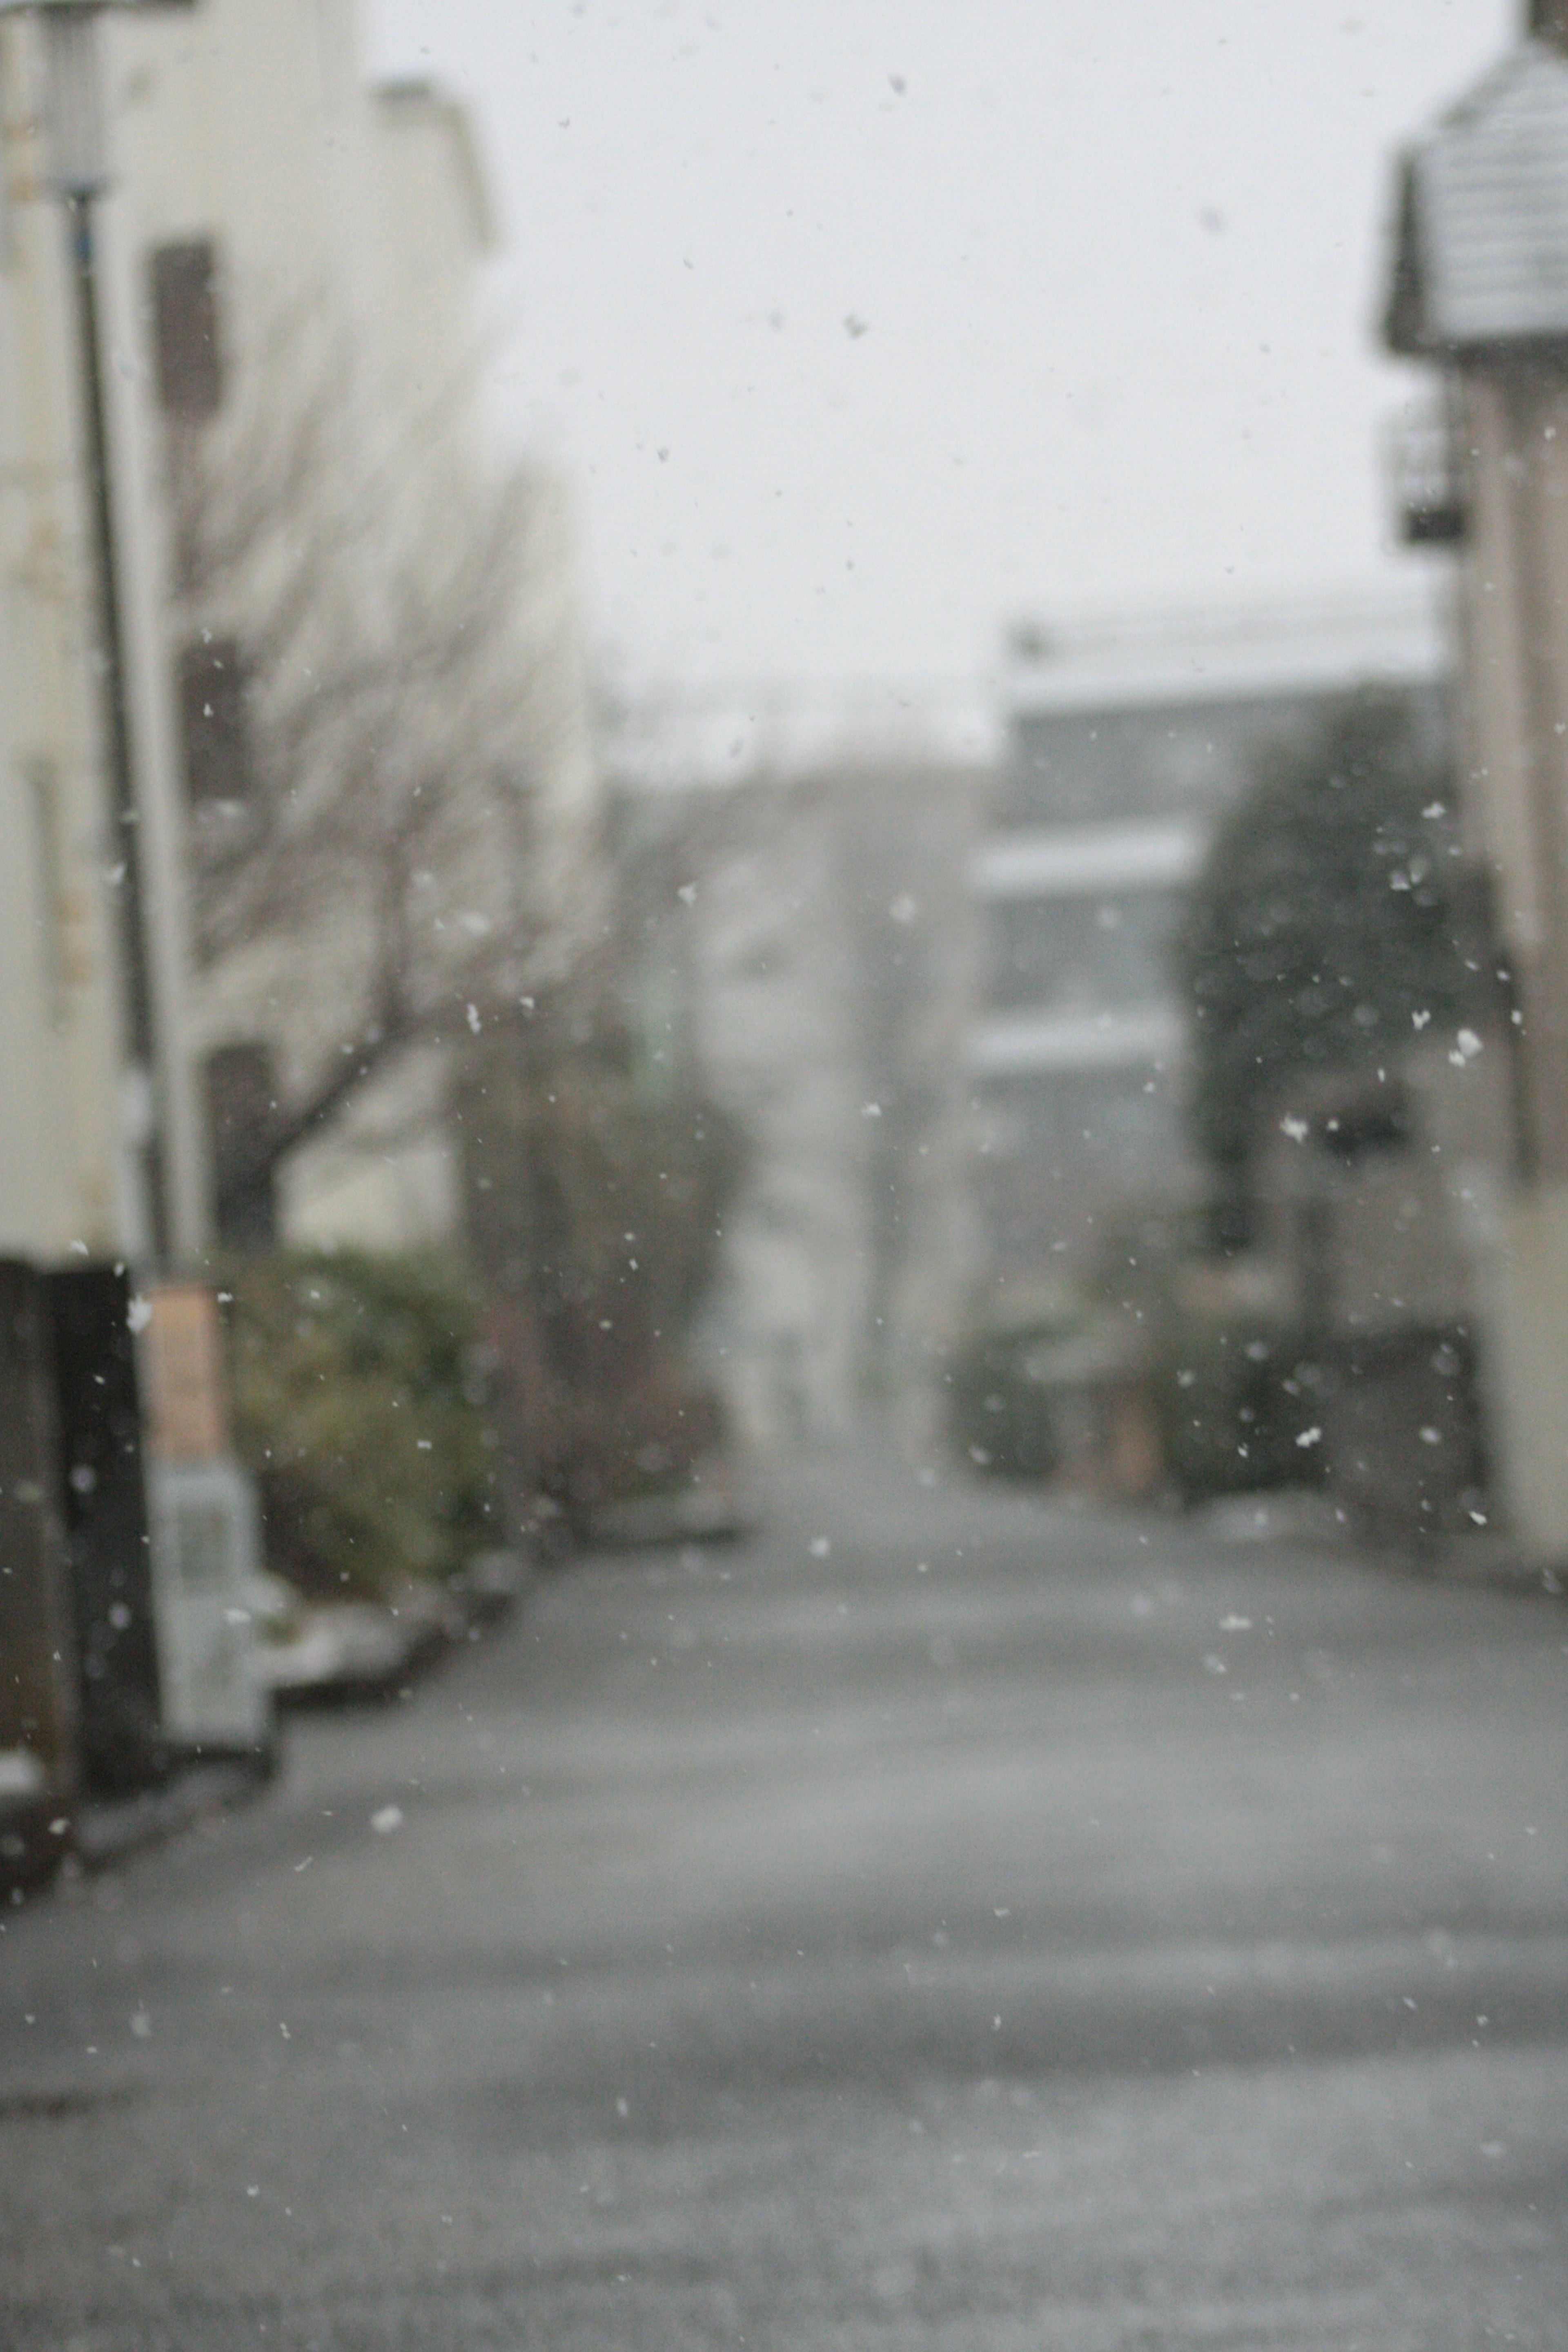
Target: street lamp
{"type": "Point", "coordinates": [78, 173]}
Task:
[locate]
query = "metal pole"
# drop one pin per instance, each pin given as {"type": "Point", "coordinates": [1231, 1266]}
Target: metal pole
{"type": "Point", "coordinates": [141, 1037]}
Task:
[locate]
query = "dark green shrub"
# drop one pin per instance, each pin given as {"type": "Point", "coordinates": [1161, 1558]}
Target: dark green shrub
{"type": "Point", "coordinates": [357, 1413]}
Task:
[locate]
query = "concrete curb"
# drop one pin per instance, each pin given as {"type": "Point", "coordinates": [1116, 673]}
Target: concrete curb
{"type": "Point", "coordinates": [104, 1834]}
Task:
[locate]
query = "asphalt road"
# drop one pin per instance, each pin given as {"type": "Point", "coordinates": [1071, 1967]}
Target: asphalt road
{"type": "Point", "coordinates": [945, 1921]}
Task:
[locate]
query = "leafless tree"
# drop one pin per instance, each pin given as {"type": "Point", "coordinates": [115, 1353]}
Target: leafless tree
{"type": "Point", "coordinates": [375, 680]}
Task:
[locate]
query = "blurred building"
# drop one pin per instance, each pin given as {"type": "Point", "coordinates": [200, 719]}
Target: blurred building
{"type": "Point", "coordinates": [78, 1109]}
{"type": "Point", "coordinates": [1126, 744]}
{"type": "Point", "coordinates": [807, 939]}
{"type": "Point", "coordinates": [1479, 291]}
{"type": "Point", "coordinates": [310, 510]}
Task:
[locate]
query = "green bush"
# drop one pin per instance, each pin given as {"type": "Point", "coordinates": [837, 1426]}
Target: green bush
{"type": "Point", "coordinates": [357, 1412]}
{"type": "Point", "coordinates": [594, 1212]}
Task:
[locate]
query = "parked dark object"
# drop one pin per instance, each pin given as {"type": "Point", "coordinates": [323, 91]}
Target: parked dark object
{"type": "Point", "coordinates": [1002, 1421]}
{"type": "Point", "coordinates": [1238, 1401]}
{"type": "Point", "coordinates": [1403, 1437]}
{"type": "Point", "coordinates": [1060, 1390]}
{"type": "Point", "coordinates": [39, 1706]}
{"type": "Point", "coordinates": [103, 1503]}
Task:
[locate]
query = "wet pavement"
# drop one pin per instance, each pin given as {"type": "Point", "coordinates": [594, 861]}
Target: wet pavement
{"type": "Point", "coordinates": [946, 1921]}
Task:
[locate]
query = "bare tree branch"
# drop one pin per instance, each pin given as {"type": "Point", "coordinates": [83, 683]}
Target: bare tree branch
{"type": "Point", "coordinates": [397, 643]}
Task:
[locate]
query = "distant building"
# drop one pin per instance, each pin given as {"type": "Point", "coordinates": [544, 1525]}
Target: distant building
{"type": "Point", "coordinates": [1125, 747]}
{"type": "Point", "coordinates": [286, 286]}
{"type": "Point", "coordinates": [809, 940]}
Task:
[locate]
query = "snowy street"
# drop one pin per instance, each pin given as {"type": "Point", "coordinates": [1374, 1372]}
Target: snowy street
{"type": "Point", "coordinates": [943, 1921]}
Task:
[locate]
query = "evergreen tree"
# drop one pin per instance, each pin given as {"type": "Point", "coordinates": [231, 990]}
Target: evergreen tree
{"type": "Point", "coordinates": [1331, 924]}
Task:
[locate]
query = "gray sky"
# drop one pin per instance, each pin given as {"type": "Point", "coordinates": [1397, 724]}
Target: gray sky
{"type": "Point", "coordinates": [863, 328]}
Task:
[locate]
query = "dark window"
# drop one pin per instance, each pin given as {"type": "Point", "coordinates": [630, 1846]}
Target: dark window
{"type": "Point", "coordinates": [242, 1116]}
{"type": "Point", "coordinates": [213, 722]}
{"type": "Point", "coordinates": [185, 330]}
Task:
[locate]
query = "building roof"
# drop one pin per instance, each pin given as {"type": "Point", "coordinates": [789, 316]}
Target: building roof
{"type": "Point", "coordinates": [775, 731]}
{"type": "Point", "coordinates": [415, 101]}
{"type": "Point", "coordinates": [1481, 245]}
{"type": "Point", "coordinates": [1163, 661]}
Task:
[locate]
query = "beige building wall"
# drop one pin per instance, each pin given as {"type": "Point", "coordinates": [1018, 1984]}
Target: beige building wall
{"type": "Point", "coordinates": [1514, 587]}
{"type": "Point", "coordinates": [1514, 592]}
{"type": "Point", "coordinates": [349, 226]}
{"type": "Point", "coordinates": [67, 1179]}
{"type": "Point", "coordinates": [1530, 1316]}
{"type": "Point", "coordinates": [1476, 290]}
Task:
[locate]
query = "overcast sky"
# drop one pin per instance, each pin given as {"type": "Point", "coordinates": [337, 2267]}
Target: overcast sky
{"type": "Point", "coordinates": [864, 327]}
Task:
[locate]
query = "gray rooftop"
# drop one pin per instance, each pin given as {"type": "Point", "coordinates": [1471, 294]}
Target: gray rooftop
{"type": "Point", "coordinates": [1481, 252]}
